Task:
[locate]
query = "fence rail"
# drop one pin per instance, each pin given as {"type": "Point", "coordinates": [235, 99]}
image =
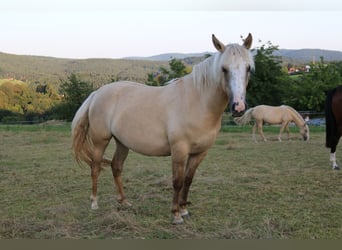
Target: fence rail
{"type": "Point", "coordinates": [48, 122]}
{"type": "Point", "coordinates": [316, 118]}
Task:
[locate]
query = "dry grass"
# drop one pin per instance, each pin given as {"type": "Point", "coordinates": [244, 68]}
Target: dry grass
{"type": "Point", "coordinates": [242, 190]}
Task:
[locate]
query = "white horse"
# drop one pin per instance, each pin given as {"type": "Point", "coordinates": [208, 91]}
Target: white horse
{"type": "Point", "coordinates": [274, 115]}
{"type": "Point", "coordinates": [180, 119]}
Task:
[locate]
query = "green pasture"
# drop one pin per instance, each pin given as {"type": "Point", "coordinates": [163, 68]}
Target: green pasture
{"type": "Point", "coordinates": [242, 190]}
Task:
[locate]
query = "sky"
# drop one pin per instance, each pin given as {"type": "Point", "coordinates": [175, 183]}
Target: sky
{"type": "Point", "coordinates": [124, 28]}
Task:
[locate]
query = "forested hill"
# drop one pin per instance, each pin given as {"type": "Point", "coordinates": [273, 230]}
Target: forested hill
{"type": "Point", "coordinates": [309, 55]}
{"type": "Point", "coordinates": [293, 55]}
{"type": "Point", "coordinates": [51, 70]}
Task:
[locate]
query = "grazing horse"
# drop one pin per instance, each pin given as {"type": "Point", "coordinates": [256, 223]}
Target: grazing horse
{"type": "Point", "coordinates": [274, 115]}
{"type": "Point", "coordinates": [333, 122]}
{"type": "Point", "coordinates": [181, 119]}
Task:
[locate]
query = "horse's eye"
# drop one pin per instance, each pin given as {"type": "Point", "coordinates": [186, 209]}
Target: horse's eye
{"type": "Point", "coordinates": [248, 68]}
{"type": "Point", "coordinates": [224, 70]}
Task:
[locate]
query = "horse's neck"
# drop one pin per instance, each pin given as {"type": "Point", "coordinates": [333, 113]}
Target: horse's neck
{"type": "Point", "coordinates": [206, 80]}
{"type": "Point", "coordinates": [211, 96]}
{"type": "Point", "coordinates": [298, 120]}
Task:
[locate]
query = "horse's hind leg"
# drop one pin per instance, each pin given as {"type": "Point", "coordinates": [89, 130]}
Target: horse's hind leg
{"type": "Point", "coordinates": [95, 170]}
{"type": "Point", "coordinates": [193, 163]}
{"type": "Point", "coordinates": [117, 165]}
{"type": "Point", "coordinates": [259, 124]}
{"type": "Point", "coordinates": [99, 147]}
{"type": "Point", "coordinates": [288, 131]}
{"type": "Point", "coordinates": [254, 128]}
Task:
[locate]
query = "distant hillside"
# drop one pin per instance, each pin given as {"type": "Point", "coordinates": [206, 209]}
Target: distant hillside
{"type": "Point", "coordinates": [52, 70]}
{"type": "Point", "coordinates": [169, 56]}
{"type": "Point", "coordinates": [101, 71]}
{"type": "Point", "coordinates": [310, 55]}
{"type": "Point", "coordinates": [298, 55]}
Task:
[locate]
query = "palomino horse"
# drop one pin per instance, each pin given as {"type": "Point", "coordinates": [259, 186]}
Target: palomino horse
{"type": "Point", "coordinates": [180, 119]}
{"type": "Point", "coordinates": [333, 122]}
{"type": "Point", "coordinates": [274, 115]}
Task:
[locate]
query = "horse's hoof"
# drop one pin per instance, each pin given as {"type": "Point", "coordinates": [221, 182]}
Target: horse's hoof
{"type": "Point", "coordinates": [186, 216]}
{"type": "Point", "coordinates": [124, 203]}
{"type": "Point", "coordinates": [177, 220]}
{"type": "Point", "coordinates": [94, 206]}
{"type": "Point", "coordinates": [184, 213]}
{"type": "Point", "coordinates": [336, 168]}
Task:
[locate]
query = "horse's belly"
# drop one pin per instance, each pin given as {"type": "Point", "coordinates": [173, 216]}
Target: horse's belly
{"type": "Point", "coordinates": [203, 143]}
{"type": "Point", "coordinates": [148, 139]}
{"type": "Point", "coordinates": [149, 147]}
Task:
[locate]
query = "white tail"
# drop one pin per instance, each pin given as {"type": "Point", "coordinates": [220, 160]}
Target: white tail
{"type": "Point", "coordinates": [79, 129]}
{"type": "Point", "coordinates": [246, 118]}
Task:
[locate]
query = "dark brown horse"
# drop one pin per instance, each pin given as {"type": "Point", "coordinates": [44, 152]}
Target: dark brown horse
{"type": "Point", "coordinates": [333, 121]}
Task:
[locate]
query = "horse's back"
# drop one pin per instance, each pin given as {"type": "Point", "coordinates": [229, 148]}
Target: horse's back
{"type": "Point", "coordinates": [270, 114]}
{"type": "Point", "coordinates": [122, 96]}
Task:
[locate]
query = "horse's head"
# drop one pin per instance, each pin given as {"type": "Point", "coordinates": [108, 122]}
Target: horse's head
{"type": "Point", "coordinates": [304, 131]}
{"type": "Point", "coordinates": [234, 63]}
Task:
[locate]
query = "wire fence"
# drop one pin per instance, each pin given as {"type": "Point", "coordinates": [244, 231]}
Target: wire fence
{"type": "Point", "coordinates": [315, 119]}
{"type": "Point", "coordinates": [26, 123]}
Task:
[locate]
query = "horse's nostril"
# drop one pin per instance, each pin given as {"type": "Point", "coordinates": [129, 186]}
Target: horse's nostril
{"type": "Point", "coordinates": [234, 106]}
{"type": "Point", "coordinates": [236, 110]}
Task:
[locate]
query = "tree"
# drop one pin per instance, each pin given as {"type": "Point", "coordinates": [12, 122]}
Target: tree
{"type": "Point", "coordinates": [75, 92]}
{"type": "Point", "coordinates": [177, 69]}
{"type": "Point", "coordinates": [309, 89]}
{"type": "Point", "coordinates": [18, 97]}
{"type": "Point", "coordinates": [268, 82]}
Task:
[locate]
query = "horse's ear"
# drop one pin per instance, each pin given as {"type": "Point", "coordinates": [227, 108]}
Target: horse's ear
{"type": "Point", "coordinates": [247, 43]}
{"type": "Point", "coordinates": [218, 45]}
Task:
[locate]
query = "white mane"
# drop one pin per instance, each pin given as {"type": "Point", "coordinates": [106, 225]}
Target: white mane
{"type": "Point", "coordinates": [209, 71]}
{"type": "Point", "coordinates": [295, 113]}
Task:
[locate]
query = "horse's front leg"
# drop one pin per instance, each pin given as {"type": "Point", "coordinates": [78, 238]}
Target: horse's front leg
{"type": "Point", "coordinates": [283, 125]}
{"type": "Point", "coordinates": [193, 163]}
{"type": "Point", "coordinates": [333, 158]}
{"type": "Point", "coordinates": [179, 160]}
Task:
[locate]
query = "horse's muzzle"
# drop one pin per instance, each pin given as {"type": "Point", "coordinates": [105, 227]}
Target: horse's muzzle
{"type": "Point", "coordinates": [238, 109]}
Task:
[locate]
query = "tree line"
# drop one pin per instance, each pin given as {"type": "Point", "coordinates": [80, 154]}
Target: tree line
{"type": "Point", "coordinates": [26, 102]}
{"type": "Point", "coordinates": [269, 84]}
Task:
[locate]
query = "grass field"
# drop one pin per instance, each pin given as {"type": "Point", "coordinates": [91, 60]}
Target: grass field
{"type": "Point", "coordinates": [242, 190]}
